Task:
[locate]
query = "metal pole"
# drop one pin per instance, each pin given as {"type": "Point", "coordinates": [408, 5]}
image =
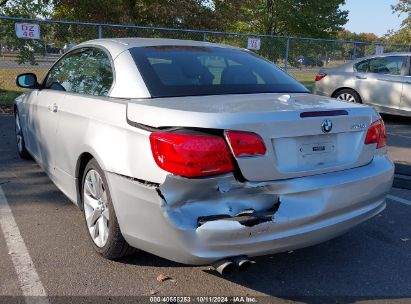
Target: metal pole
{"type": "Point", "coordinates": [205, 37]}
{"type": "Point", "coordinates": [354, 53]}
{"type": "Point", "coordinates": [287, 47]}
{"type": "Point", "coordinates": [100, 31]}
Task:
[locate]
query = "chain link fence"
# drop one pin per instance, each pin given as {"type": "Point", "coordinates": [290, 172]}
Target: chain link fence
{"type": "Point", "coordinates": [301, 57]}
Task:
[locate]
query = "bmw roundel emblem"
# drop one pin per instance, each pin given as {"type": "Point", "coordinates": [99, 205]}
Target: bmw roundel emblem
{"type": "Point", "coordinates": [326, 126]}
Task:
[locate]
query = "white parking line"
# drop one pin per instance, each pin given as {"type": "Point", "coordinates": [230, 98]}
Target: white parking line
{"type": "Point", "coordinates": [399, 199]}
{"type": "Point", "coordinates": [29, 280]}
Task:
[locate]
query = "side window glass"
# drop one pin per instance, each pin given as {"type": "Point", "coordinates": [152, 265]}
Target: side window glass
{"type": "Point", "coordinates": [84, 71]}
{"type": "Point", "coordinates": [362, 67]}
{"type": "Point", "coordinates": [391, 65]}
{"type": "Point", "coordinates": [95, 75]}
{"type": "Point", "coordinates": [105, 72]}
{"type": "Point", "coordinates": [62, 75]}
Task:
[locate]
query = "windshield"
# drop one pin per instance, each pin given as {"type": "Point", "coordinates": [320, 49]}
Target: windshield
{"type": "Point", "coordinates": [171, 71]}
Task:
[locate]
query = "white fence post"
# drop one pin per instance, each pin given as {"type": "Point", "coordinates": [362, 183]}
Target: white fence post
{"type": "Point", "coordinates": [287, 47]}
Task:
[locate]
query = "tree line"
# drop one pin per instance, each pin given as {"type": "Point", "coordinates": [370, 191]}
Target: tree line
{"type": "Point", "coordinates": [304, 18]}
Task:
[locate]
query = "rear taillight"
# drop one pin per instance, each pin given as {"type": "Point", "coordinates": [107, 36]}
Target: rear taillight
{"type": "Point", "coordinates": [245, 143]}
{"type": "Point", "coordinates": [191, 155]}
{"type": "Point", "coordinates": [376, 134]}
{"type": "Point", "coordinates": [320, 76]}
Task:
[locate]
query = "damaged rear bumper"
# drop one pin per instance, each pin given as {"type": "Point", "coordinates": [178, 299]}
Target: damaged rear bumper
{"type": "Point", "coordinates": [198, 221]}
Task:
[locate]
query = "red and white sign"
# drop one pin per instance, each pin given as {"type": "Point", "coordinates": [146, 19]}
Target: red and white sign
{"type": "Point", "coordinates": [253, 44]}
{"type": "Point", "coordinates": [27, 31]}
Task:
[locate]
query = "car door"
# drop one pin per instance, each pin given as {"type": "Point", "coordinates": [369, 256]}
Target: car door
{"type": "Point", "coordinates": [26, 112]}
{"type": "Point", "coordinates": [360, 81]}
{"type": "Point", "coordinates": [48, 106]}
{"type": "Point", "coordinates": [43, 125]}
{"type": "Point", "coordinates": [406, 90]}
{"type": "Point", "coordinates": [382, 84]}
{"type": "Point", "coordinates": [90, 82]}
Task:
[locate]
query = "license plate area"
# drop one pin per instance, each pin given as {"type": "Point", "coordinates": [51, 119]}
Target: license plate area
{"type": "Point", "coordinates": [317, 150]}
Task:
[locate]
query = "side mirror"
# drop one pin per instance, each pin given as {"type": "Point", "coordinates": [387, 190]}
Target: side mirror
{"type": "Point", "coordinates": [27, 81]}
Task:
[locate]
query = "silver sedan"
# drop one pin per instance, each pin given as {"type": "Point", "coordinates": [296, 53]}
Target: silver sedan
{"type": "Point", "coordinates": [383, 81]}
{"type": "Point", "coordinates": [200, 153]}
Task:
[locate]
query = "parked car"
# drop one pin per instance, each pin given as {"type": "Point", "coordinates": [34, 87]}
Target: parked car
{"type": "Point", "coordinates": [383, 81]}
{"type": "Point", "coordinates": [310, 61]}
{"type": "Point", "coordinates": [197, 163]}
{"type": "Point", "coordinates": [51, 49]}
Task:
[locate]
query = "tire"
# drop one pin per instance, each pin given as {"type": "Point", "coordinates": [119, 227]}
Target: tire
{"type": "Point", "coordinates": [21, 144]}
{"type": "Point", "coordinates": [100, 217]}
{"type": "Point", "coordinates": [348, 95]}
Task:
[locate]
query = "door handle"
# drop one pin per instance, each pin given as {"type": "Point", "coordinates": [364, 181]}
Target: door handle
{"type": "Point", "coordinates": [360, 77]}
{"type": "Point", "coordinates": [53, 108]}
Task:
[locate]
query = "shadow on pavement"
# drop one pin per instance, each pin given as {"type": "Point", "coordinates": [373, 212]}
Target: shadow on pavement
{"type": "Point", "coordinates": [396, 119]}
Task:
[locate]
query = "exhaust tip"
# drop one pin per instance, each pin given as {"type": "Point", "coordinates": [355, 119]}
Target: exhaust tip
{"type": "Point", "coordinates": [242, 262]}
{"type": "Point", "coordinates": [224, 267]}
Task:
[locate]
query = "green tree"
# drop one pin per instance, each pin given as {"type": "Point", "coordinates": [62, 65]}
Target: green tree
{"type": "Point", "coordinates": [403, 6]}
{"type": "Point", "coordinates": [277, 17]}
{"type": "Point", "coordinates": [402, 36]}
{"type": "Point", "coordinates": [26, 48]}
{"type": "Point", "coordinates": [307, 18]}
{"type": "Point", "coordinates": [166, 13]}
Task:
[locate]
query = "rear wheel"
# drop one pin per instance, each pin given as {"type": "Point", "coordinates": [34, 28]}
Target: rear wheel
{"type": "Point", "coordinates": [348, 95]}
{"type": "Point", "coordinates": [21, 144]}
{"type": "Point", "coordinates": [100, 217]}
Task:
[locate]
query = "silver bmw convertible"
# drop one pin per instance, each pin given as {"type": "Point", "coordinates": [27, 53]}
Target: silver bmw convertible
{"type": "Point", "coordinates": [200, 153]}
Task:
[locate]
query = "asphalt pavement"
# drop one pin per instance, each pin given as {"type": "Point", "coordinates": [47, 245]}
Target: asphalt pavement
{"type": "Point", "coordinates": [399, 138]}
{"type": "Point", "coordinates": [44, 235]}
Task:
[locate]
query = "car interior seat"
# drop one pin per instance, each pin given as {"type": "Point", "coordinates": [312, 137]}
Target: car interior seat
{"type": "Point", "coordinates": [238, 74]}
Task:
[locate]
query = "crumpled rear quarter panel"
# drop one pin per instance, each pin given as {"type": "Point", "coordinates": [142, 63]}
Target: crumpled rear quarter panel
{"type": "Point", "coordinates": [163, 219]}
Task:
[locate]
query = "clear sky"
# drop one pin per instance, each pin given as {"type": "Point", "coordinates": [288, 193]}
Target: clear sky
{"type": "Point", "coordinates": [371, 16]}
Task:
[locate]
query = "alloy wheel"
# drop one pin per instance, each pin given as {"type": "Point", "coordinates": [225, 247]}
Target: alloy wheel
{"type": "Point", "coordinates": [347, 97]}
{"type": "Point", "coordinates": [95, 207]}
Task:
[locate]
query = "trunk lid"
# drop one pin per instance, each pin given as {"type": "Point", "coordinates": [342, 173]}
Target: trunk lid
{"type": "Point", "coordinates": [290, 125]}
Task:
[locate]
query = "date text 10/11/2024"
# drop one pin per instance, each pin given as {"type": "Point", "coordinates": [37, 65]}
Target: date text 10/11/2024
{"type": "Point", "coordinates": [204, 299]}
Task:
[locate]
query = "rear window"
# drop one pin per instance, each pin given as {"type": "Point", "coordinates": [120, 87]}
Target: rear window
{"type": "Point", "coordinates": [171, 71]}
